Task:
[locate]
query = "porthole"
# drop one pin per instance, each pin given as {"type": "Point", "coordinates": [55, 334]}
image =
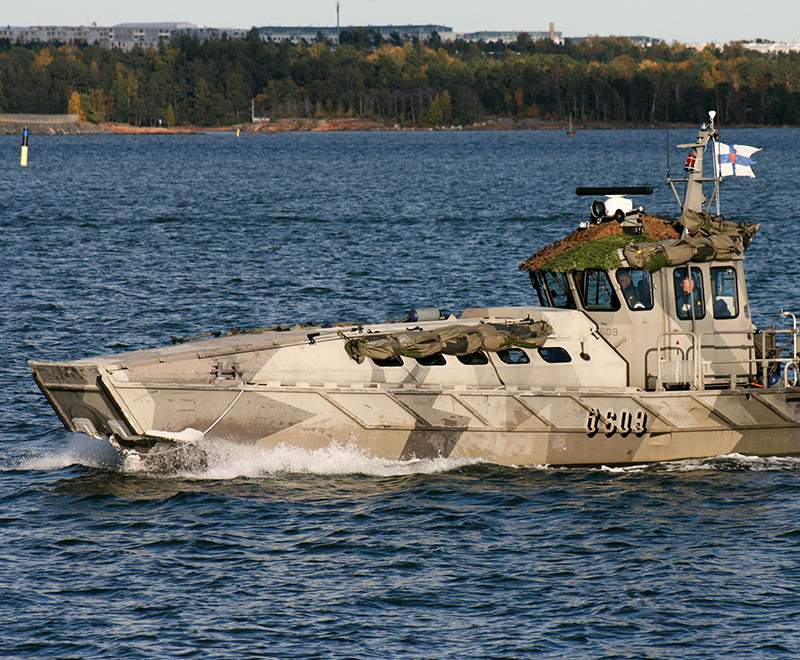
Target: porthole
{"type": "Point", "coordinates": [474, 359]}
{"type": "Point", "coordinates": [388, 362]}
{"type": "Point", "coordinates": [514, 356]}
{"type": "Point", "coordinates": [554, 354]}
{"type": "Point", "coordinates": [435, 360]}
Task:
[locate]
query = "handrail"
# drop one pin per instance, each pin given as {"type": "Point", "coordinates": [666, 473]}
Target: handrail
{"type": "Point", "coordinates": [698, 364]}
{"type": "Point", "coordinates": [660, 348]}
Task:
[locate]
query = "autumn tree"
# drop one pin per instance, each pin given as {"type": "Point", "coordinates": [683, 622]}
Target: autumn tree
{"type": "Point", "coordinates": [169, 116]}
{"type": "Point", "coordinates": [440, 110]}
{"type": "Point", "coordinates": [413, 84]}
{"type": "Point", "coordinates": [74, 105]}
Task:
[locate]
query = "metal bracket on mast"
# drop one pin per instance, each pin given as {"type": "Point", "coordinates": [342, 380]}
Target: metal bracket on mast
{"type": "Point", "coordinates": [671, 183]}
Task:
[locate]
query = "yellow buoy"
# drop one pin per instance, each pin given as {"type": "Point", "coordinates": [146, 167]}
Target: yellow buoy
{"type": "Point", "coordinates": [23, 154]}
{"type": "Point", "coordinates": [238, 132]}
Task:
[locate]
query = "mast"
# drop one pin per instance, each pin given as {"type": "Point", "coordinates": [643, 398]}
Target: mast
{"type": "Point", "coordinates": [717, 178]}
{"type": "Point", "coordinates": [694, 199]}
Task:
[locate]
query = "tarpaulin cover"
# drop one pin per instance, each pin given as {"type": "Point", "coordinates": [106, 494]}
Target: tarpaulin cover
{"type": "Point", "coordinates": [450, 340]}
{"type": "Point", "coordinates": [706, 238]}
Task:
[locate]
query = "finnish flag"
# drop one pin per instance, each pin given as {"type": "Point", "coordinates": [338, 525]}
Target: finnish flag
{"type": "Point", "coordinates": [735, 159]}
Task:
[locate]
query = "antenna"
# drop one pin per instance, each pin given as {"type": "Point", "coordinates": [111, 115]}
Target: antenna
{"type": "Point", "coordinates": [338, 6]}
{"type": "Point", "coordinates": [714, 149]}
{"type": "Point", "coordinates": [666, 149]}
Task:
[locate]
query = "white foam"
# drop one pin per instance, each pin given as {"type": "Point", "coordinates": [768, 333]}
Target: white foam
{"type": "Point", "coordinates": [231, 461]}
{"type": "Point", "coordinates": [721, 463]}
{"type": "Point", "coordinates": [81, 450]}
{"type": "Point", "coordinates": [626, 469]}
{"type": "Point", "coordinates": [734, 462]}
{"type": "Point", "coordinates": [226, 460]}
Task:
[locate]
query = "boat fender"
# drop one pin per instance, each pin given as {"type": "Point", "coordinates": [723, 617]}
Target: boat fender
{"type": "Point", "coordinates": [790, 374]}
{"type": "Point", "coordinates": [423, 314]}
{"type": "Point", "coordinates": [775, 376]}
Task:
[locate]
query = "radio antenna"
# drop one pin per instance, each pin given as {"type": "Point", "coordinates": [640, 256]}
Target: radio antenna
{"type": "Point", "coordinates": [714, 149]}
{"type": "Point", "coordinates": [666, 148]}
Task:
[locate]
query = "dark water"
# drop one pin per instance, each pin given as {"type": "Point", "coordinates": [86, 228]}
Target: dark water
{"type": "Point", "coordinates": [109, 243]}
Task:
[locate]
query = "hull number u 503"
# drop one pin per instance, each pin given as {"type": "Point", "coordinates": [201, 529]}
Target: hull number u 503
{"type": "Point", "coordinates": [613, 422]}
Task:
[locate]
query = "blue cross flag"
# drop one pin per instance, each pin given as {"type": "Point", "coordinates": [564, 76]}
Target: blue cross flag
{"type": "Point", "coordinates": [735, 159]}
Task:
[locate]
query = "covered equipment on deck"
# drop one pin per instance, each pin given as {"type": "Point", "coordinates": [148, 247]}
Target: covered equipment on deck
{"type": "Point", "coordinates": [450, 340]}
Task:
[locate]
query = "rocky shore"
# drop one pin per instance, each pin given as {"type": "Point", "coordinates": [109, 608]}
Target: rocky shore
{"type": "Point", "coordinates": [71, 125]}
{"type": "Point", "coordinates": [45, 124]}
{"type": "Point", "coordinates": [302, 124]}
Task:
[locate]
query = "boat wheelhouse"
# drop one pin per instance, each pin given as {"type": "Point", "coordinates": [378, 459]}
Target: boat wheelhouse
{"type": "Point", "coordinates": [685, 325]}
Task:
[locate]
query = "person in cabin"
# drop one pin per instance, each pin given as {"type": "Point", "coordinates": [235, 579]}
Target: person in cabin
{"type": "Point", "coordinates": [721, 308]}
{"type": "Point", "coordinates": [690, 292]}
{"type": "Point", "coordinates": [723, 283]}
{"type": "Point", "coordinates": [637, 295]}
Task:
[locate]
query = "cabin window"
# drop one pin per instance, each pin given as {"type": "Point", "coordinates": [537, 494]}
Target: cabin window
{"type": "Point", "coordinates": [514, 356]}
{"type": "Point", "coordinates": [435, 360]}
{"type": "Point", "coordinates": [689, 300]}
{"type": "Point", "coordinates": [558, 290]}
{"type": "Point", "coordinates": [596, 292]}
{"type": "Point", "coordinates": [554, 354]}
{"type": "Point", "coordinates": [636, 287]}
{"type": "Point", "coordinates": [724, 293]}
{"type": "Point", "coordinates": [474, 359]}
{"type": "Point", "coordinates": [388, 362]}
{"type": "Point", "coordinates": [538, 286]}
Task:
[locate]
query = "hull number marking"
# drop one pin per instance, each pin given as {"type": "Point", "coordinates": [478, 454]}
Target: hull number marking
{"type": "Point", "coordinates": [613, 422]}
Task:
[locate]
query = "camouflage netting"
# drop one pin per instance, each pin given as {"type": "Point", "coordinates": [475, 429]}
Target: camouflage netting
{"type": "Point", "coordinates": [597, 246]}
{"type": "Point", "coordinates": [664, 242]}
{"type": "Point", "coordinates": [451, 340]}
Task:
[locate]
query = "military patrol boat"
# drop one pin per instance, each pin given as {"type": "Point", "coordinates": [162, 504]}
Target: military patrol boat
{"type": "Point", "coordinates": [641, 348]}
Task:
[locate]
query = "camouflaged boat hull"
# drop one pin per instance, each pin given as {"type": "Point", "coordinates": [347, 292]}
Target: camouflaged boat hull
{"type": "Point", "coordinates": [504, 425]}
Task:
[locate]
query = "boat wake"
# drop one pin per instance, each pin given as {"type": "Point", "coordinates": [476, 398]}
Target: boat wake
{"type": "Point", "coordinates": [80, 450]}
{"type": "Point", "coordinates": [226, 461]}
{"type": "Point", "coordinates": [723, 463]}
{"type": "Point", "coordinates": [223, 461]}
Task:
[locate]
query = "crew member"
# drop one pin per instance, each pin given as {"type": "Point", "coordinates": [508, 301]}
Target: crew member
{"type": "Point", "coordinates": [630, 291]}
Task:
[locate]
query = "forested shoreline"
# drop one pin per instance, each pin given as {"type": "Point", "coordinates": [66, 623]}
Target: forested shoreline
{"type": "Point", "coordinates": [187, 82]}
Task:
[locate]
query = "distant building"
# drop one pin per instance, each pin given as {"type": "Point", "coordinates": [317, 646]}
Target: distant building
{"type": "Point", "coordinates": [51, 33]}
{"type": "Point", "coordinates": [204, 34]}
{"type": "Point", "coordinates": [643, 42]}
{"type": "Point", "coordinates": [125, 36]}
{"type": "Point", "coordinates": [508, 36]}
{"type": "Point", "coordinates": [636, 40]}
{"type": "Point", "coordinates": [771, 46]}
{"type": "Point", "coordinates": [128, 36]}
{"type": "Point", "coordinates": [309, 33]}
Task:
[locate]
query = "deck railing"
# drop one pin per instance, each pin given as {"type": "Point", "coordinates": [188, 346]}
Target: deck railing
{"type": "Point", "coordinates": [693, 370]}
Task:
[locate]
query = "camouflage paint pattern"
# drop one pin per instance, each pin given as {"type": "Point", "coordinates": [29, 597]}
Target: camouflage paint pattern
{"type": "Point", "coordinates": [302, 388]}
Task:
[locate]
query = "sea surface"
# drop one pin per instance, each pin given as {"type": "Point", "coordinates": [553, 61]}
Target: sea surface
{"type": "Point", "coordinates": [110, 243]}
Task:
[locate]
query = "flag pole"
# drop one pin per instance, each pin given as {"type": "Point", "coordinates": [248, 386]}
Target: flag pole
{"type": "Point", "coordinates": [714, 136]}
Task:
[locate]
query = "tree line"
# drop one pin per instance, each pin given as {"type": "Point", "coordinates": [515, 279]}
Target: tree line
{"type": "Point", "coordinates": [429, 83]}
